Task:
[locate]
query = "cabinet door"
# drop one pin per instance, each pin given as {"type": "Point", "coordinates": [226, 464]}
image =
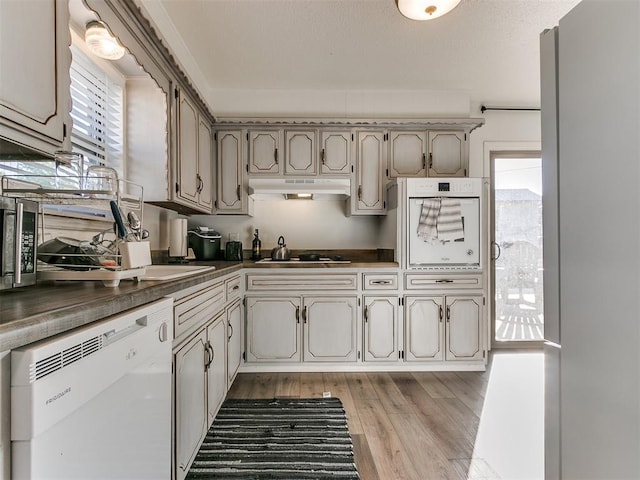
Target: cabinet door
{"type": "Point", "coordinates": [300, 152]}
{"type": "Point", "coordinates": [447, 154]}
{"type": "Point", "coordinates": [34, 77]}
{"type": "Point", "coordinates": [205, 165]}
{"type": "Point", "coordinates": [330, 329]}
{"type": "Point", "coordinates": [189, 185]}
{"type": "Point", "coordinates": [190, 402]}
{"type": "Point", "coordinates": [380, 329]}
{"type": "Point", "coordinates": [273, 329]}
{"type": "Point", "coordinates": [464, 328]}
{"type": "Point", "coordinates": [217, 366]}
{"type": "Point", "coordinates": [424, 328]}
{"type": "Point", "coordinates": [264, 152]}
{"type": "Point", "coordinates": [232, 196]}
{"type": "Point", "coordinates": [335, 153]}
{"type": "Point", "coordinates": [234, 341]}
{"type": "Point", "coordinates": [407, 154]}
{"type": "Point", "coordinates": [370, 172]}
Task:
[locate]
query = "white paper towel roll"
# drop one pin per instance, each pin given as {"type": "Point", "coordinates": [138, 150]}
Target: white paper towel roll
{"type": "Point", "coordinates": [178, 237]}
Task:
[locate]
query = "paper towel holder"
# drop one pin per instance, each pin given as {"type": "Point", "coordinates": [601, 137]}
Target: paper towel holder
{"type": "Point", "coordinates": [178, 249]}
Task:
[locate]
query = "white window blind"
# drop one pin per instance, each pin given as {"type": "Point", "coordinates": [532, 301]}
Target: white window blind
{"type": "Point", "coordinates": [97, 113]}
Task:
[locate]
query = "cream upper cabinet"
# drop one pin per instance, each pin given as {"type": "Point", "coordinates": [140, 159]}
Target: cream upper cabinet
{"type": "Point", "coordinates": [448, 152]}
{"type": "Point", "coordinates": [300, 147]}
{"type": "Point", "coordinates": [407, 153]}
{"type": "Point", "coordinates": [34, 48]}
{"type": "Point", "coordinates": [380, 329]}
{"type": "Point", "coordinates": [368, 190]}
{"type": "Point", "coordinates": [265, 152]}
{"type": "Point", "coordinates": [194, 157]}
{"type": "Point", "coordinates": [335, 152]}
{"type": "Point", "coordinates": [231, 162]}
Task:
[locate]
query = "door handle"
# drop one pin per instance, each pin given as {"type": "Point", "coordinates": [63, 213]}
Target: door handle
{"type": "Point", "coordinates": [366, 313]}
{"type": "Point", "coordinates": [231, 334]}
{"type": "Point", "coordinates": [322, 157]}
{"type": "Point", "coordinates": [297, 314]}
{"type": "Point", "coordinates": [275, 155]}
{"type": "Point", "coordinates": [440, 313]}
{"type": "Point", "coordinates": [494, 244]}
{"type": "Point", "coordinates": [304, 314]}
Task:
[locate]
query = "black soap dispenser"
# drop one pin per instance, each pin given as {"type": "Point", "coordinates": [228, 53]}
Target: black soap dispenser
{"type": "Point", "coordinates": [256, 246]}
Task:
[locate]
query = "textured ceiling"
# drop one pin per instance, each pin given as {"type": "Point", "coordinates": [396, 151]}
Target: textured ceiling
{"type": "Point", "coordinates": [485, 48]}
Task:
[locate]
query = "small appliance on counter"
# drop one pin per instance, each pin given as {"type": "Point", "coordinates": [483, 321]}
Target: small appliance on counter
{"type": "Point", "coordinates": [205, 243]}
{"type": "Point", "coordinates": [19, 231]}
{"type": "Point", "coordinates": [233, 248]}
{"type": "Point", "coordinates": [178, 249]}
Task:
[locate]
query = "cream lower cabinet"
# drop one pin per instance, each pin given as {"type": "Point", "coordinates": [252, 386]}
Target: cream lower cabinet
{"type": "Point", "coordinates": [301, 328]}
{"type": "Point", "coordinates": [200, 388]}
{"type": "Point", "coordinates": [442, 327]}
{"type": "Point", "coordinates": [380, 316]}
{"type": "Point", "coordinates": [234, 340]}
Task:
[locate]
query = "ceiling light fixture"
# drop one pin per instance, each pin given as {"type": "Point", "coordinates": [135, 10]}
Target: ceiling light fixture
{"type": "Point", "coordinates": [101, 42]}
{"type": "Point", "coordinates": [425, 9]}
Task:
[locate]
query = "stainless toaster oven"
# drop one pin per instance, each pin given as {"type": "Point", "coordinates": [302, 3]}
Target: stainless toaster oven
{"type": "Point", "coordinates": [19, 234]}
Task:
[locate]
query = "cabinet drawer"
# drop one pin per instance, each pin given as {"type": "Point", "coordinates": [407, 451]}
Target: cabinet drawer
{"type": "Point", "coordinates": [418, 281]}
{"type": "Point", "coordinates": [380, 281]}
{"type": "Point", "coordinates": [197, 308]}
{"type": "Point", "coordinates": [232, 286]}
{"type": "Point", "coordinates": [259, 282]}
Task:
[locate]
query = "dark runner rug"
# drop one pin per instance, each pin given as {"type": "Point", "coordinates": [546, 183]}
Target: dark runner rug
{"type": "Point", "coordinates": [283, 439]}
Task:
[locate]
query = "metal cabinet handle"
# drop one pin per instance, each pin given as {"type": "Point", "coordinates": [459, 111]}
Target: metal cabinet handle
{"type": "Point", "coordinates": [200, 183]}
{"type": "Point", "coordinates": [238, 192]}
{"type": "Point", "coordinates": [213, 353]}
{"type": "Point", "coordinates": [431, 160]}
{"type": "Point", "coordinates": [297, 314]}
{"type": "Point", "coordinates": [440, 313]}
{"type": "Point", "coordinates": [495, 245]}
{"type": "Point", "coordinates": [444, 281]}
{"type": "Point", "coordinates": [366, 313]}
{"type": "Point", "coordinates": [275, 155]}
{"type": "Point", "coordinates": [208, 359]}
{"type": "Point", "coordinates": [359, 192]}
{"type": "Point", "coordinates": [231, 334]}
{"type": "Point", "coordinates": [448, 313]}
{"type": "Point", "coordinates": [381, 282]}
{"type": "Point", "coordinates": [322, 157]}
{"type": "Point", "coordinates": [304, 314]}
{"type": "Point", "coordinates": [236, 287]}
{"type": "Point", "coordinates": [424, 160]}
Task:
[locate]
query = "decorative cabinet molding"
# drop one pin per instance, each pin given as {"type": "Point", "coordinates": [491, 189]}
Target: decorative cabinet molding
{"type": "Point", "coordinates": [301, 152]}
{"type": "Point", "coordinates": [195, 179]}
{"type": "Point", "coordinates": [34, 46]}
{"type": "Point", "coordinates": [444, 328]}
{"type": "Point", "coordinates": [231, 163]}
{"type": "Point", "coordinates": [335, 152]}
{"type": "Point", "coordinates": [368, 190]}
{"type": "Point", "coordinates": [407, 153]}
{"type": "Point", "coordinates": [448, 154]}
{"type": "Point", "coordinates": [265, 152]}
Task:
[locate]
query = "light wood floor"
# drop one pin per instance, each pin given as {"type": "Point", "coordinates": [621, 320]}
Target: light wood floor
{"type": "Point", "coordinates": [405, 426]}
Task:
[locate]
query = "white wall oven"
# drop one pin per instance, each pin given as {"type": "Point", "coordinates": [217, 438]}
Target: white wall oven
{"type": "Point", "coordinates": [445, 224]}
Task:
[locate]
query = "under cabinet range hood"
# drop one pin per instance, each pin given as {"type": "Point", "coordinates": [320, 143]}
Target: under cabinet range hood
{"type": "Point", "coordinates": [280, 188]}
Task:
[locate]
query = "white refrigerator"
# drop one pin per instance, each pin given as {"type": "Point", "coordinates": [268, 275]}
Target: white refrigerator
{"type": "Point", "coordinates": [590, 80]}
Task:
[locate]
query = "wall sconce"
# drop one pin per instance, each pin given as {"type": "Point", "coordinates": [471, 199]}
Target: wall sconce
{"type": "Point", "coordinates": [101, 42]}
{"type": "Point", "coordinates": [425, 9]}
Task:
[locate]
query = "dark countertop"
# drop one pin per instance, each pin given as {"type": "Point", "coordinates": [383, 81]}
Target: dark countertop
{"type": "Point", "coordinates": [32, 313]}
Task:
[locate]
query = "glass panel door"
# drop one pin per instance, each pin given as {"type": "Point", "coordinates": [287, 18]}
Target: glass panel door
{"type": "Point", "coordinates": [517, 249]}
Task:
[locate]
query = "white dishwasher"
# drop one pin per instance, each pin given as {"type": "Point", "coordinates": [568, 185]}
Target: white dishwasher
{"type": "Point", "coordinates": [96, 403]}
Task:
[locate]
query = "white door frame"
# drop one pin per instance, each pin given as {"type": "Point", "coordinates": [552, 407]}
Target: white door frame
{"type": "Point", "coordinates": [491, 151]}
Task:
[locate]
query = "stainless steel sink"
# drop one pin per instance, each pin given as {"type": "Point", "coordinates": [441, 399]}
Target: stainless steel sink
{"type": "Point", "coordinates": [172, 272]}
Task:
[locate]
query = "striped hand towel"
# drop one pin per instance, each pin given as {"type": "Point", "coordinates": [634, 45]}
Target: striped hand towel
{"type": "Point", "coordinates": [449, 222]}
{"type": "Point", "coordinates": [427, 225]}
